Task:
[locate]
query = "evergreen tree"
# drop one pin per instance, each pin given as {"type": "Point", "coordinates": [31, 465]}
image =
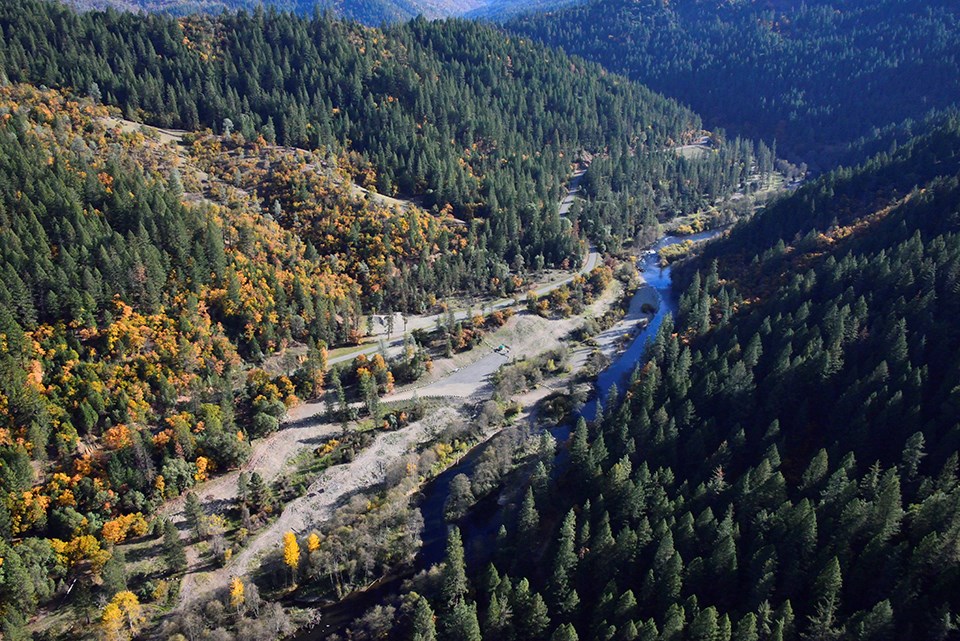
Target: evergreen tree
{"type": "Point", "coordinates": [196, 518]}
{"type": "Point", "coordinates": [424, 626]}
{"type": "Point", "coordinates": [565, 632]}
{"type": "Point", "coordinates": [173, 552]}
{"type": "Point", "coordinates": [563, 595]}
{"type": "Point", "coordinates": [454, 586]}
{"type": "Point", "coordinates": [460, 623]}
{"type": "Point", "coordinates": [460, 498]}
{"type": "Point", "coordinates": [528, 522]}
{"type": "Point", "coordinates": [115, 573]}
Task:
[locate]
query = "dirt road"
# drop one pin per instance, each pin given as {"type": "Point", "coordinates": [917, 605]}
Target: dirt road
{"type": "Point", "coordinates": [429, 321]}
{"type": "Point", "coordinates": [465, 376]}
{"type": "Point", "coordinates": [331, 489]}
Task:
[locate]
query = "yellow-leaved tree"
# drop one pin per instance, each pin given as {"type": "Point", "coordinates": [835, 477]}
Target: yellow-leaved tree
{"type": "Point", "coordinates": [237, 597]}
{"type": "Point", "coordinates": [313, 542]}
{"type": "Point", "coordinates": [291, 554]}
{"type": "Point", "coordinates": [113, 624]}
{"type": "Point", "coordinates": [122, 617]}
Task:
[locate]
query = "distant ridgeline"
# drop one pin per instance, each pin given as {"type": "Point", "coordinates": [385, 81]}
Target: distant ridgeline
{"type": "Point", "coordinates": [785, 465]}
{"type": "Point", "coordinates": [814, 75]}
{"type": "Point", "coordinates": [453, 113]}
{"type": "Point", "coordinates": [370, 12]}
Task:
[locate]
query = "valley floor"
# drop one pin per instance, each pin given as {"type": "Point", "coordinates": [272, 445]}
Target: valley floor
{"type": "Point", "coordinates": [459, 384]}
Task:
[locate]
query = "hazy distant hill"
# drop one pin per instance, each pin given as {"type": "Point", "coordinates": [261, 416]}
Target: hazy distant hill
{"type": "Point", "coordinates": [371, 12]}
{"type": "Point", "coordinates": [506, 9]}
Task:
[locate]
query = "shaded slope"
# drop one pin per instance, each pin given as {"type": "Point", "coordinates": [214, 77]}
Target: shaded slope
{"type": "Point", "coordinates": [816, 75]}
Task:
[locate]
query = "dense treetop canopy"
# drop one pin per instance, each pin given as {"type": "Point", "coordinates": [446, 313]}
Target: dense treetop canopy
{"type": "Point", "coordinates": [783, 464]}
{"type": "Point", "coordinates": [814, 75]}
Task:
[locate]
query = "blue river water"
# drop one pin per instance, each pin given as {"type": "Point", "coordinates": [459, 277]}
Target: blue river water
{"type": "Point", "coordinates": [479, 526]}
{"type": "Point", "coordinates": [657, 277]}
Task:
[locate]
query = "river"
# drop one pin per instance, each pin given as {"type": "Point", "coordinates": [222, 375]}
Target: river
{"type": "Point", "coordinates": [480, 525]}
{"type": "Point", "coordinates": [660, 279]}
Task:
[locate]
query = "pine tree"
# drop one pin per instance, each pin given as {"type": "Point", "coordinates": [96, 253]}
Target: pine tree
{"type": "Point", "coordinates": [565, 632]}
{"type": "Point", "coordinates": [260, 495]}
{"type": "Point", "coordinates": [580, 457]}
{"type": "Point", "coordinates": [670, 581]}
{"type": "Point", "coordinates": [460, 498]}
{"type": "Point", "coordinates": [454, 586]}
{"type": "Point", "coordinates": [705, 626]}
{"type": "Point", "coordinates": [14, 626]}
{"type": "Point", "coordinates": [816, 470]}
{"type": "Point", "coordinates": [196, 518]}
{"type": "Point", "coordinates": [461, 623]}
{"type": "Point", "coordinates": [424, 626]}
{"type": "Point", "coordinates": [173, 552]}
{"type": "Point", "coordinates": [540, 481]}
{"type": "Point", "coordinates": [563, 597]}
{"type": "Point", "coordinates": [490, 580]}
{"type": "Point", "coordinates": [114, 573]}
{"type": "Point", "coordinates": [371, 395]}
{"type": "Point", "coordinates": [530, 610]}
{"type": "Point", "coordinates": [912, 454]}
{"type": "Point", "coordinates": [827, 586]}
{"type": "Point", "coordinates": [746, 629]}
{"type": "Point", "coordinates": [243, 487]}
{"type": "Point", "coordinates": [878, 623]}
{"type": "Point", "coordinates": [496, 621]}
{"type": "Point", "coordinates": [628, 632]}
{"type": "Point", "coordinates": [626, 607]}
{"type": "Point", "coordinates": [528, 523]}
{"type": "Point", "coordinates": [826, 590]}
{"type": "Point", "coordinates": [674, 623]}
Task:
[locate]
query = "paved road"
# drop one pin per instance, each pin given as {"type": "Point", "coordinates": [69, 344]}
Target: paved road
{"type": "Point", "coordinates": [429, 321]}
{"type": "Point", "coordinates": [572, 190]}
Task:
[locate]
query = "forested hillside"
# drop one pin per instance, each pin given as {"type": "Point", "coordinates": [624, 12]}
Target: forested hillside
{"type": "Point", "coordinates": [813, 75]}
{"type": "Point", "coordinates": [149, 279]}
{"type": "Point", "coordinates": [781, 466]}
{"type": "Point", "coordinates": [503, 9]}
{"type": "Point", "coordinates": [452, 113]}
{"type": "Point", "coordinates": [784, 463]}
{"type": "Point", "coordinates": [127, 317]}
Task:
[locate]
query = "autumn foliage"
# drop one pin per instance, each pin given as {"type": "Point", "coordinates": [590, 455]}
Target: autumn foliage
{"type": "Point", "coordinates": [128, 304]}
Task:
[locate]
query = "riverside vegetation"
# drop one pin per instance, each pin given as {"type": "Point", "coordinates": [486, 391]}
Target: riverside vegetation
{"type": "Point", "coordinates": [782, 465]}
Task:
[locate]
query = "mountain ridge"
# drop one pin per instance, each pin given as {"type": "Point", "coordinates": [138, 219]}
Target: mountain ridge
{"type": "Point", "coordinates": [370, 12]}
{"type": "Point", "coordinates": [815, 76]}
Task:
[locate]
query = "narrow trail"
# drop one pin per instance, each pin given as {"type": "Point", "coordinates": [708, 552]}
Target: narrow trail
{"type": "Point", "coordinates": [332, 489]}
{"type": "Point", "coordinates": [300, 430]}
